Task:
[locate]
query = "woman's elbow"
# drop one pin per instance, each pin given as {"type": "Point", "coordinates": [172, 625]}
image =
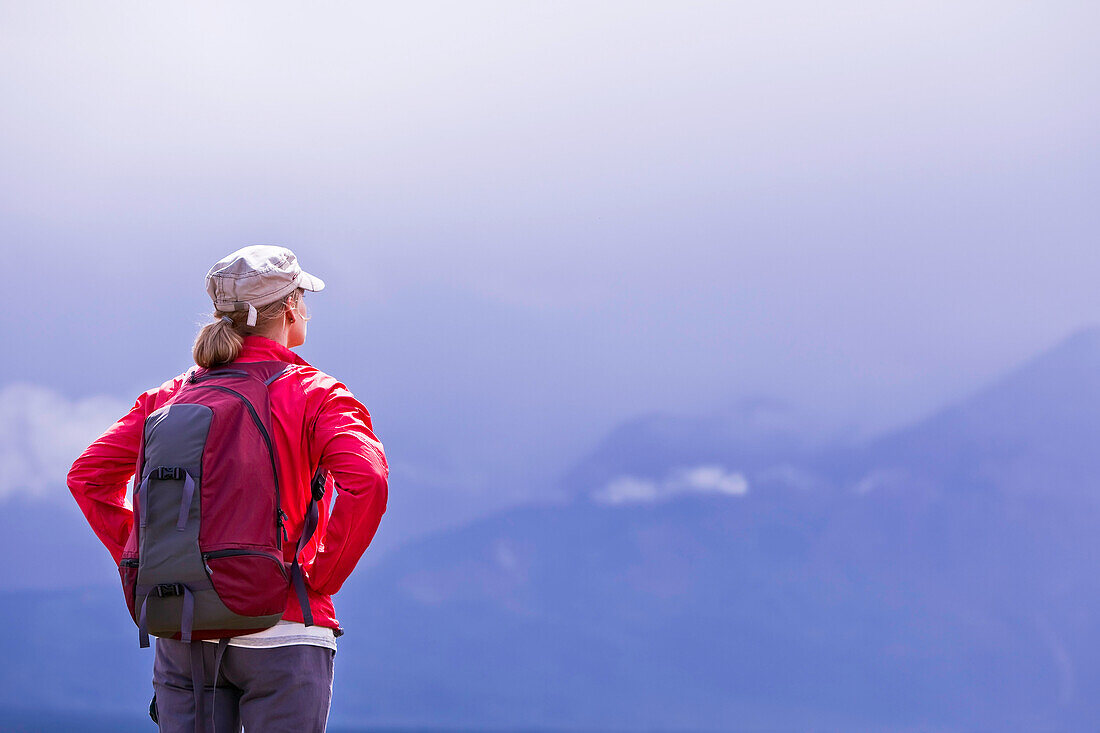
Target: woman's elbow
{"type": "Point", "coordinates": [77, 477]}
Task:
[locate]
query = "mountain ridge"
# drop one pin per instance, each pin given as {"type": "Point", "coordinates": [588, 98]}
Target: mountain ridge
{"type": "Point", "coordinates": [896, 593]}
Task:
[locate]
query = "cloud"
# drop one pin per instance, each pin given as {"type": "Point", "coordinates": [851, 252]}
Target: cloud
{"type": "Point", "coordinates": [705, 479]}
{"type": "Point", "coordinates": [41, 434]}
{"type": "Point", "coordinates": [627, 489]}
{"type": "Point", "coordinates": [712, 479]}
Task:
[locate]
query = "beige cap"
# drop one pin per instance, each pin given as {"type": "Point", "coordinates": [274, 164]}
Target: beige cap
{"type": "Point", "coordinates": [255, 276]}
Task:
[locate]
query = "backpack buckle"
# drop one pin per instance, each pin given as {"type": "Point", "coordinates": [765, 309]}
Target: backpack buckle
{"type": "Point", "coordinates": [166, 590]}
{"type": "Point", "coordinates": [168, 472]}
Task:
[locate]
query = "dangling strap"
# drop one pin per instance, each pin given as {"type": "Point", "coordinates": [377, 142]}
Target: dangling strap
{"type": "Point", "coordinates": [143, 491]}
{"type": "Point", "coordinates": [222, 645]}
{"type": "Point", "coordinates": [187, 615]}
{"type": "Point", "coordinates": [197, 686]}
{"type": "Point", "coordinates": [185, 502]}
{"type": "Point", "coordinates": [143, 627]}
{"type": "Point", "coordinates": [308, 528]}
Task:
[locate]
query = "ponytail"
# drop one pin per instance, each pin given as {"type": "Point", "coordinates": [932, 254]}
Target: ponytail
{"type": "Point", "coordinates": [217, 343]}
{"type": "Point", "coordinates": [220, 342]}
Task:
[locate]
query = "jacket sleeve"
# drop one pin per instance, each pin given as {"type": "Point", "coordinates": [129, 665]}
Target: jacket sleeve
{"type": "Point", "coordinates": [99, 476]}
{"type": "Point", "coordinates": [344, 444]}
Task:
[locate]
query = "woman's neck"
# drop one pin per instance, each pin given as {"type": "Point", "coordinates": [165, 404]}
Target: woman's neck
{"type": "Point", "coordinates": [279, 337]}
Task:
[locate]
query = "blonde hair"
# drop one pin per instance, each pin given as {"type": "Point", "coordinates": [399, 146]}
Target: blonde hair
{"type": "Point", "coordinates": [220, 343]}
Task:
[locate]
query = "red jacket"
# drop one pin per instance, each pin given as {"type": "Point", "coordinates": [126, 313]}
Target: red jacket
{"type": "Point", "coordinates": [315, 419]}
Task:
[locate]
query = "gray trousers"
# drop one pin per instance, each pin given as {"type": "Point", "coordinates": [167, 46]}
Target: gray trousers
{"type": "Point", "coordinates": [286, 688]}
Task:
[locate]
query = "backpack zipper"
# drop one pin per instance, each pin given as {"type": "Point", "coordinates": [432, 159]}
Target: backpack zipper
{"type": "Point", "coordinates": [282, 524]}
{"type": "Point", "coordinates": [280, 530]}
{"type": "Point", "coordinates": [236, 552]}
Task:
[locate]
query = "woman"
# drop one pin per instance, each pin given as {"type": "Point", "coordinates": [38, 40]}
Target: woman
{"type": "Point", "coordinates": [279, 679]}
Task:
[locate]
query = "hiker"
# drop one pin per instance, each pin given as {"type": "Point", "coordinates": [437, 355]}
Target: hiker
{"type": "Point", "coordinates": [319, 439]}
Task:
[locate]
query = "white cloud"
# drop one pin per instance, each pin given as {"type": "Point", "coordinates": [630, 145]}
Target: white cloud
{"type": "Point", "coordinates": [41, 434]}
{"type": "Point", "coordinates": [705, 479]}
{"type": "Point", "coordinates": [627, 489]}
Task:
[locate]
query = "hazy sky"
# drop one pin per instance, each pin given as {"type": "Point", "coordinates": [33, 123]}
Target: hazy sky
{"type": "Point", "coordinates": [536, 220]}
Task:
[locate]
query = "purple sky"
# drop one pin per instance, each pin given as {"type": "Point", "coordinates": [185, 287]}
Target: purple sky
{"type": "Point", "coordinates": [537, 221]}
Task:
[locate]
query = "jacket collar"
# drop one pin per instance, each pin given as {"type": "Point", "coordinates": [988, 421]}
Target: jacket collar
{"type": "Point", "coordinates": [261, 348]}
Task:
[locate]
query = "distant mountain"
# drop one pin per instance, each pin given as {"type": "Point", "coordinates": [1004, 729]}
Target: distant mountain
{"type": "Point", "coordinates": [1036, 431]}
{"type": "Point", "coordinates": [712, 576]}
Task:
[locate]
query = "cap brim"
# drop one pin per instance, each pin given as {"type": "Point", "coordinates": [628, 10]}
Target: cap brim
{"type": "Point", "coordinates": [310, 282]}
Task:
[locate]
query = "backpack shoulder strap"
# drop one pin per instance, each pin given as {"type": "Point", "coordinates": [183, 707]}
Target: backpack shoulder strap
{"type": "Point", "coordinates": [317, 489]}
{"type": "Point", "coordinates": [266, 371]}
{"type": "Point", "coordinates": [276, 375]}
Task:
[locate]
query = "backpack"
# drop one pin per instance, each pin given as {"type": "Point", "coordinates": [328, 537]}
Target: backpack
{"type": "Point", "coordinates": [205, 558]}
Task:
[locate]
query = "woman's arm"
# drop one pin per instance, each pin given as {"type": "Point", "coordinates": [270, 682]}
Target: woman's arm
{"type": "Point", "coordinates": [98, 479]}
{"type": "Point", "coordinates": [343, 441]}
